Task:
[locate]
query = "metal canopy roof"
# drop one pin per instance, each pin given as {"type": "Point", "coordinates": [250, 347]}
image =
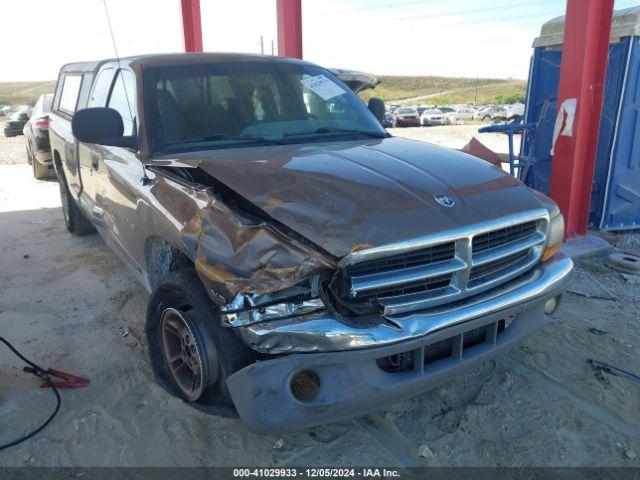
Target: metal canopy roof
{"type": "Point", "coordinates": [625, 23]}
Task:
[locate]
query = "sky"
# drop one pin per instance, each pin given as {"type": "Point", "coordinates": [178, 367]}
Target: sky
{"type": "Point", "coordinates": [463, 38]}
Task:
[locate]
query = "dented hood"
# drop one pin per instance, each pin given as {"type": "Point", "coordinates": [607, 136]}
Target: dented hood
{"type": "Point", "coordinates": [349, 195]}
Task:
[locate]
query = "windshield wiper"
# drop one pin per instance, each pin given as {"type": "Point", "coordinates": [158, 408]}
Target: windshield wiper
{"type": "Point", "coordinates": [222, 136]}
{"type": "Point", "coordinates": [337, 130]}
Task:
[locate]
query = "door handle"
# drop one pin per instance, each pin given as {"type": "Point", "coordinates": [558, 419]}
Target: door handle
{"type": "Point", "coordinates": [95, 158]}
{"type": "Point", "coordinates": [97, 211]}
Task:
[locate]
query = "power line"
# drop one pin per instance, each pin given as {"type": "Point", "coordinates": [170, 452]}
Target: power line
{"type": "Point", "coordinates": [379, 6]}
{"type": "Point", "coordinates": [500, 19]}
{"type": "Point", "coordinates": [461, 12]}
{"type": "Point", "coordinates": [496, 19]}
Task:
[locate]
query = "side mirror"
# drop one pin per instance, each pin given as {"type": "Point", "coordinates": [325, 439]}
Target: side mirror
{"type": "Point", "coordinates": [102, 126]}
{"type": "Point", "coordinates": [376, 106]}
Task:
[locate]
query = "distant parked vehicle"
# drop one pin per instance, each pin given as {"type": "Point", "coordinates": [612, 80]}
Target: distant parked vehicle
{"type": "Point", "coordinates": [494, 113]}
{"type": "Point", "coordinates": [515, 113]}
{"type": "Point", "coordinates": [481, 111]}
{"type": "Point", "coordinates": [406, 117]}
{"type": "Point", "coordinates": [433, 116]}
{"type": "Point", "coordinates": [36, 131]}
{"type": "Point", "coordinates": [450, 115]}
{"type": "Point", "coordinates": [356, 81]}
{"type": "Point", "coordinates": [16, 122]}
{"type": "Point", "coordinates": [465, 113]}
{"type": "Point", "coordinates": [387, 121]}
{"type": "Point", "coordinates": [25, 108]}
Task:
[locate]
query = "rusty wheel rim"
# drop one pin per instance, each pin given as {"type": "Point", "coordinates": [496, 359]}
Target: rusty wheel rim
{"type": "Point", "coordinates": [182, 353]}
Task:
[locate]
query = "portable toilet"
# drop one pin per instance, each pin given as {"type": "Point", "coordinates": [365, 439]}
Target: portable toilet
{"type": "Point", "coordinates": [615, 197]}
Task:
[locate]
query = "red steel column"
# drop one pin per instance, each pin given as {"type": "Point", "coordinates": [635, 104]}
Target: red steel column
{"type": "Point", "coordinates": [191, 25]}
{"type": "Point", "coordinates": [289, 28]}
{"type": "Point", "coordinates": [582, 74]}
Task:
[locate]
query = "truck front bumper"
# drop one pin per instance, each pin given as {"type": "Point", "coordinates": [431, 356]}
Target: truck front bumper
{"type": "Point", "coordinates": [433, 347]}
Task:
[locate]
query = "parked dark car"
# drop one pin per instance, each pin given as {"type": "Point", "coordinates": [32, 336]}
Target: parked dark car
{"type": "Point", "coordinates": [304, 265]}
{"type": "Point", "coordinates": [16, 122]}
{"type": "Point", "coordinates": [36, 131]}
{"type": "Point", "coordinates": [406, 117]}
{"type": "Point", "coordinates": [387, 121]}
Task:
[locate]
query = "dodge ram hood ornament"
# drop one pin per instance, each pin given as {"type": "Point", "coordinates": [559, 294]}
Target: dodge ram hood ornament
{"type": "Point", "coordinates": [444, 200]}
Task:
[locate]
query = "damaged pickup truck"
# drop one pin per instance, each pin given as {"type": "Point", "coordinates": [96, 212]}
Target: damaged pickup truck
{"type": "Point", "coordinates": [304, 265]}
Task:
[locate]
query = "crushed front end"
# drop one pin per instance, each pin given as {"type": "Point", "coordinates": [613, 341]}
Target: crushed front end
{"type": "Point", "coordinates": [393, 321]}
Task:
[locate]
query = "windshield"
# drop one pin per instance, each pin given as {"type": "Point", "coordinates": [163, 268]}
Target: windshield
{"type": "Point", "coordinates": [229, 104]}
{"type": "Point", "coordinates": [407, 110]}
{"type": "Point", "coordinates": [433, 112]}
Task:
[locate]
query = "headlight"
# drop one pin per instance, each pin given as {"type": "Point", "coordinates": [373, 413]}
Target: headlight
{"type": "Point", "coordinates": [243, 310]}
{"type": "Point", "coordinates": [555, 236]}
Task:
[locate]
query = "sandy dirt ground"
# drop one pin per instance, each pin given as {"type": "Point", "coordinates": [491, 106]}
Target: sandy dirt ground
{"type": "Point", "coordinates": [457, 136]}
{"type": "Point", "coordinates": [68, 303]}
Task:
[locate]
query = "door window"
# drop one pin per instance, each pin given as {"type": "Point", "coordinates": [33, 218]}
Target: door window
{"type": "Point", "coordinates": [123, 99]}
{"type": "Point", "coordinates": [101, 88]}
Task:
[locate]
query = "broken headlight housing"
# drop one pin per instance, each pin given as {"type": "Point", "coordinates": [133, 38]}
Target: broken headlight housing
{"type": "Point", "coordinates": [555, 236]}
{"type": "Point", "coordinates": [246, 309]}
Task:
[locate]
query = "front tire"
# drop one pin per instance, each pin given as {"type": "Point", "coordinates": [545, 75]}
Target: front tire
{"type": "Point", "coordinates": [191, 353]}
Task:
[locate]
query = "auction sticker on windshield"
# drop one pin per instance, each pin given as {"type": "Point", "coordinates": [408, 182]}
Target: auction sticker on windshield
{"type": "Point", "coordinates": [322, 86]}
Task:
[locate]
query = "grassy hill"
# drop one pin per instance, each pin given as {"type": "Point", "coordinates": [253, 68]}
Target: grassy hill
{"type": "Point", "coordinates": [411, 90]}
{"type": "Point", "coordinates": [446, 90]}
{"type": "Point", "coordinates": [19, 93]}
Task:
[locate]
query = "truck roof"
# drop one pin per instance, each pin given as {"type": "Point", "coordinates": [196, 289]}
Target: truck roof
{"type": "Point", "coordinates": [81, 67]}
{"type": "Point", "coordinates": [166, 59]}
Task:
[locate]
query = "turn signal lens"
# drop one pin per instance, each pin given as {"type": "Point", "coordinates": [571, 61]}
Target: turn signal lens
{"type": "Point", "coordinates": [555, 236]}
{"type": "Point", "coordinates": [549, 251]}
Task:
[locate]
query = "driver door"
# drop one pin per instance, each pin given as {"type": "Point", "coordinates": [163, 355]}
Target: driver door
{"type": "Point", "coordinates": [90, 155]}
{"type": "Point", "coordinates": [119, 175]}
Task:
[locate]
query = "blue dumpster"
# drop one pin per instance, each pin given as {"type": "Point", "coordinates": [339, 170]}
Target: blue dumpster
{"type": "Point", "coordinates": [615, 197]}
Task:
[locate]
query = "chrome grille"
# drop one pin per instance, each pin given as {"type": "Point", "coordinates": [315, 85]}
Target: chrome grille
{"type": "Point", "coordinates": [422, 256]}
{"type": "Point", "coordinates": [496, 238]}
{"type": "Point", "coordinates": [466, 264]}
{"type": "Point", "coordinates": [481, 272]}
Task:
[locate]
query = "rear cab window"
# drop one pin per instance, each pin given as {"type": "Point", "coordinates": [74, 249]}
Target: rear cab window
{"type": "Point", "coordinates": [69, 93]}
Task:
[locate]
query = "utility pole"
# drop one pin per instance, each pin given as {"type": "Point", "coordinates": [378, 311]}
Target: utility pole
{"type": "Point", "coordinates": [475, 102]}
{"type": "Point", "coordinates": [261, 44]}
{"type": "Point", "coordinates": [273, 51]}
